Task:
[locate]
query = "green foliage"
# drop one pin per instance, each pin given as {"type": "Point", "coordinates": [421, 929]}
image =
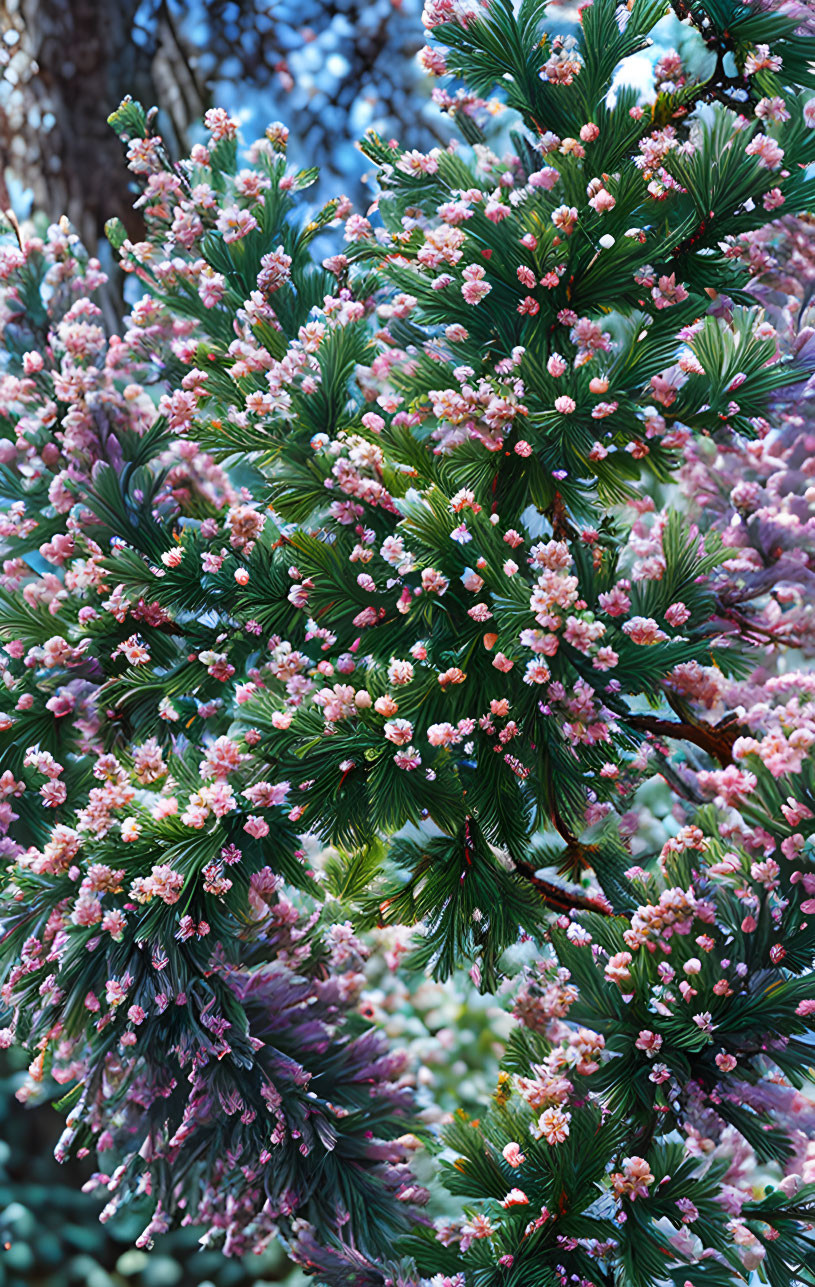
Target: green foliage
{"type": "Point", "coordinates": [406, 593]}
{"type": "Point", "coordinates": [468, 903]}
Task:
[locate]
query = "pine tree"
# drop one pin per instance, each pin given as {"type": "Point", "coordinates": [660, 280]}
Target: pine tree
{"type": "Point", "coordinates": [393, 562]}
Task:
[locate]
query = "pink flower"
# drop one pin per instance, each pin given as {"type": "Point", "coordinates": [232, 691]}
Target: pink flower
{"type": "Point", "coordinates": [113, 923]}
{"type": "Point", "coordinates": [441, 734]}
{"type": "Point", "coordinates": [418, 163]}
{"type": "Point", "coordinates": [266, 795]}
{"type": "Point", "coordinates": [634, 1180]}
{"type": "Point", "coordinates": [604, 409]}
{"type": "Point", "coordinates": [358, 228]}
{"type": "Point", "coordinates": [235, 223]}
{"type": "Point", "coordinates": [677, 614]}
{"type": "Point", "coordinates": [643, 630]}
{"type": "Point", "coordinates": [615, 602]}
{"type": "Point", "coordinates": [211, 288]}
{"type": "Point", "coordinates": [537, 672]}
{"type": "Point", "coordinates": [650, 1042]}
{"type": "Point", "coordinates": [496, 211]}
{"type": "Point", "coordinates": [552, 1125]}
{"type": "Point", "coordinates": [602, 201]}
{"type": "Point", "coordinates": [664, 388]}
{"type": "Point", "coordinates": [433, 61]}
{"type": "Point", "coordinates": [116, 990]}
{"type": "Point", "coordinates": [769, 153]}
{"type": "Point", "coordinates": [565, 219]}
{"type": "Point", "coordinates": [730, 786]}
{"type": "Point", "coordinates": [760, 59]}
{"type": "Point", "coordinates": [668, 291]}
{"type": "Point", "coordinates": [475, 288]}
{"type": "Point", "coordinates": [478, 1226]}
{"type": "Point", "coordinates": [398, 731]}
{"type": "Point", "coordinates": [545, 178]}
{"type": "Point", "coordinates": [220, 124]}
{"type": "Point", "coordinates": [726, 1063]}
{"type": "Point", "coordinates": [61, 704]}
{"type": "Point", "coordinates": [53, 794]}
{"type": "Point", "coordinates": [256, 826]}
{"type": "Point", "coordinates": [512, 1155]}
{"type": "Point", "coordinates": [134, 651]}
{"type": "Point", "coordinates": [434, 582]}
{"type": "Point", "coordinates": [616, 969]}
{"type": "Point", "coordinates": [515, 1198]}
{"type": "Point", "coordinates": [795, 811]}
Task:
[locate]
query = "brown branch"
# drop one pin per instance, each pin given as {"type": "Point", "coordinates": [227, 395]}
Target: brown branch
{"type": "Point", "coordinates": [560, 899]}
{"type": "Point", "coordinates": [716, 739]}
{"type": "Point", "coordinates": [558, 515]}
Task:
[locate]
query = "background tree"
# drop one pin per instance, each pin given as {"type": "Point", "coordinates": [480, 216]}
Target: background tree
{"type": "Point", "coordinates": [331, 68]}
{"type": "Point", "coordinates": [63, 63]}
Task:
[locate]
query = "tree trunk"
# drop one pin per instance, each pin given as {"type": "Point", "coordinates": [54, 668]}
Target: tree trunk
{"type": "Point", "coordinates": [70, 66]}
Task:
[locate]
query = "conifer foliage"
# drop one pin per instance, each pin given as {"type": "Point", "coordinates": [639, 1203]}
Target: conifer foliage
{"type": "Point", "coordinates": [353, 590]}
